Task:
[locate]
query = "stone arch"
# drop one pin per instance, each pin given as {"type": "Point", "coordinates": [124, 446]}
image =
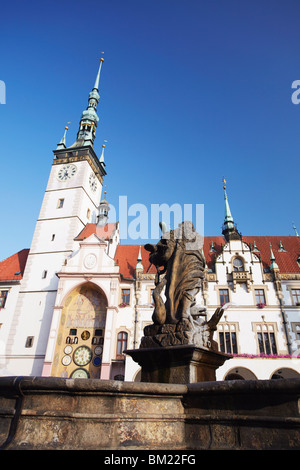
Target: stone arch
{"type": "Point", "coordinates": [82, 284]}
{"type": "Point", "coordinates": [240, 373]}
{"type": "Point", "coordinates": [79, 343]}
{"type": "Point", "coordinates": [285, 373]}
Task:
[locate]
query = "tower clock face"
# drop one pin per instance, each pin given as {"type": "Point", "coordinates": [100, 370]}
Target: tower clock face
{"type": "Point", "coordinates": [66, 172]}
{"type": "Point", "coordinates": [93, 182]}
{"type": "Point", "coordinates": [82, 356]}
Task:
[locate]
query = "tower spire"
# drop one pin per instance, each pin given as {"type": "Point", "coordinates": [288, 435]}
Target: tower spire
{"type": "Point", "coordinates": [229, 229]}
{"type": "Point", "coordinates": [228, 219]}
{"type": "Point", "coordinates": [96, 86]}
{"type": "Point", "coordinates": [89, 118]}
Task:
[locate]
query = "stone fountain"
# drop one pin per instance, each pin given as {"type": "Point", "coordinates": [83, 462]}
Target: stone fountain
{"type": "Point", "coordinates": [171, 412]}
{"type": "Point", "coordinates": [178, 347]}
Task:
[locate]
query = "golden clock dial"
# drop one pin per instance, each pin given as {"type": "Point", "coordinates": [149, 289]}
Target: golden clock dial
{"type": "Point", "coordinates": [85, 335]}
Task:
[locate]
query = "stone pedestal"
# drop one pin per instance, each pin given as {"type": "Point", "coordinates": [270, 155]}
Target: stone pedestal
{"type": "Point", "coordinates": [181, 364]}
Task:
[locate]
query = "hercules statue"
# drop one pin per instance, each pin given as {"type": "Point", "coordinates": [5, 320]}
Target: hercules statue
{"type": "Point", "coordinates": [178, 257]}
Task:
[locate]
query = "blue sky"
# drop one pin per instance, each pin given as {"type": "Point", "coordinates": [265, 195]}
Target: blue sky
{"type": "Point", "coordinates": [191, 90]}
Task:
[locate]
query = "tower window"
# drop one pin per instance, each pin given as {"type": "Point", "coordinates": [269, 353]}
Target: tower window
{"type": "Point", "coordinates": [3, 297]}
{"type": "Point", "coordinates": [60, 203]}
{"type": "Point", "coordinates": [88, 213]}
{"type": "Point", "coordinates": [53, 237]}
{"type": "Point", "coordinates": [44, 274]}
{"type": "Point", "coordinates": [29, 342]}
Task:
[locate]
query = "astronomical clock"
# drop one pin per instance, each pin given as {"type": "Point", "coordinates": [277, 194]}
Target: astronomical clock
{"type": "Point", "coordinates": [79, 347]}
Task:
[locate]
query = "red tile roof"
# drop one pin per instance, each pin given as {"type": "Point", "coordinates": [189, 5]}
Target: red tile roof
{"type": "Point", "coordinates": [126, 257]}
{"type": "Point", "coordinates": [287, 261]}
{"type": "Point", "coordinates": [102, 232]}
{"type": "Point", "coordinates": [12, 265]}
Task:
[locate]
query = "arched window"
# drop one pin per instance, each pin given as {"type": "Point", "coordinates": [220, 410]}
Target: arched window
{"type": "Point", "coordinates": [121, 344]}
{"type": "Point", "coordinates": [238, 264]}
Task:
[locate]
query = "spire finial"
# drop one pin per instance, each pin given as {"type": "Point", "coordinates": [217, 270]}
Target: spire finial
{"type": "Point", "coordinates": [96, 86]}
{"type": "Point", "coordinates": [294, 227]}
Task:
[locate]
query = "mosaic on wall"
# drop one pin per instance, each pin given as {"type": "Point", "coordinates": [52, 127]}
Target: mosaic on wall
{"type": "Point", "coordinates": [79, 345]}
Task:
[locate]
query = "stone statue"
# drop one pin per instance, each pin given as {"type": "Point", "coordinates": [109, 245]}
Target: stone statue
{"type": "Point", "coordinates": [180, 265]}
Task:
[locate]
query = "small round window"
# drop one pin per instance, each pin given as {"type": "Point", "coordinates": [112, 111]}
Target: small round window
{"type": "Point", "coordinates": [238, 264]}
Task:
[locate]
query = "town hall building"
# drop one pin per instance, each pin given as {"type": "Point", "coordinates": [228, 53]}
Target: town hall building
{"type": "Point", "coordinates": [78, 298]}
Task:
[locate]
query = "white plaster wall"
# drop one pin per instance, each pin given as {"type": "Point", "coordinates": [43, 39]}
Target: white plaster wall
{"type": "Point", "coordinates": [80, 179]}
{"type": "Point", "coordinates": [36, 264]}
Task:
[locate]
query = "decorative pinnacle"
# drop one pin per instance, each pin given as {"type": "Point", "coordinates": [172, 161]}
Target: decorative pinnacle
{"type": "Point", "coordinates": [62, 143]}
{"type": "Point", "coordinates": [139, 261]}
{"type": "Point", "coordinates": [101, 159]}
{"type": "Point", "coordinates": [273, 265]}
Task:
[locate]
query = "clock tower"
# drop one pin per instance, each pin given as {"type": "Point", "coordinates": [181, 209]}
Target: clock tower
{"type": "Point", "coordinates": [71, 201]}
